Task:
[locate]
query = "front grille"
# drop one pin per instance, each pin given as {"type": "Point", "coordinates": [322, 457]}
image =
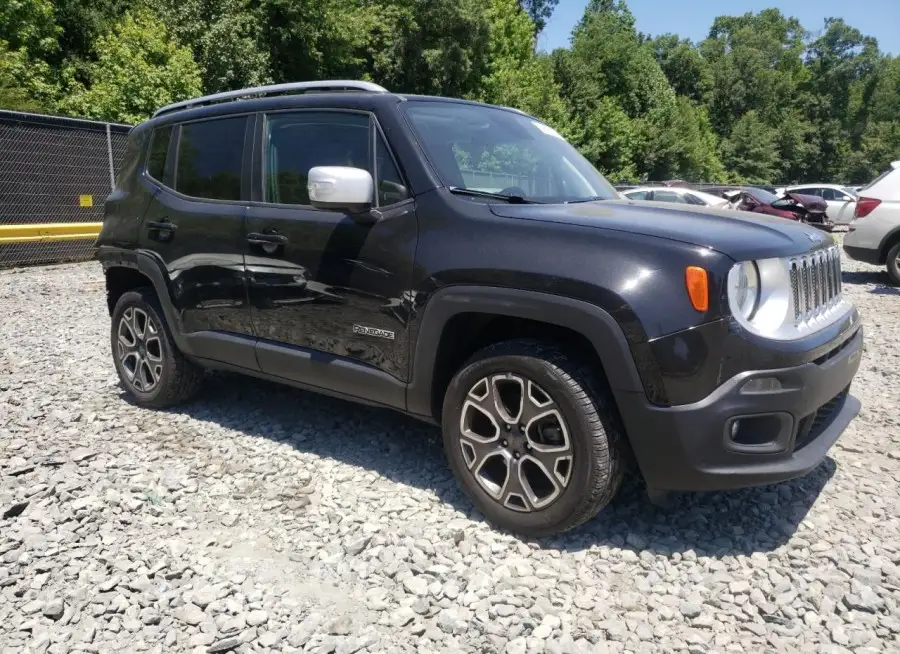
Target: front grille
{"type": "Point", "coordinates": [815, 283]}
{"type": "Point", "coordinates": [812, 426]}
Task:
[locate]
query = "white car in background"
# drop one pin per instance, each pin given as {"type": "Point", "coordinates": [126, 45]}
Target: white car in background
{"type": "Point", "coordinates": [874, 235]}
{"type": "Point", "coordinates": [675, 194]}
{"type": "Point", "coordinates": [841, 200]}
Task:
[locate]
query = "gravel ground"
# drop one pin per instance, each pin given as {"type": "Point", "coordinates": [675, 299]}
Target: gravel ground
{"type": "Point", "coordinates": [261, 518]}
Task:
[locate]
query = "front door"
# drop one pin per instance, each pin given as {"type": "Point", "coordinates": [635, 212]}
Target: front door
{"type": "Point", "coordinates": [195, 223]}
{"type": "Point", "coordinates": [319, 282]}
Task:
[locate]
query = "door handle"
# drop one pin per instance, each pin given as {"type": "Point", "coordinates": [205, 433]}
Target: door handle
{"type": "Point", "coordinates": [167, 226]}
{"type": "Point", "coordinates": [164, 230]}
{"type": "Point", "coordinates": [257, 238]}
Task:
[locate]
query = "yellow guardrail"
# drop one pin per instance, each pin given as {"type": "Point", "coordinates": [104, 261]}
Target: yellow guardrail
{"type": "Point", "coordinates": [48, 232]}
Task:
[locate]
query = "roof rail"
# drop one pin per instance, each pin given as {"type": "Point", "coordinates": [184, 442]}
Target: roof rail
{"type": "Point", "coordinates": [272, 89]}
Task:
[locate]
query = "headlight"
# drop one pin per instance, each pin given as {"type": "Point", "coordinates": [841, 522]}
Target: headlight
{"type": "Point", "coordinates": [787, 298]}
{"type": "Point", "coordinates": [743, 289]}
{"type": "Point", "coordinates": [759, 295]}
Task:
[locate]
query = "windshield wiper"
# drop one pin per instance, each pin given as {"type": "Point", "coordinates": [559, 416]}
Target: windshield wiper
{"type": "Point", "coordinates": [512, 199]}
{"type": "Point", "coordinates": [595, 198]}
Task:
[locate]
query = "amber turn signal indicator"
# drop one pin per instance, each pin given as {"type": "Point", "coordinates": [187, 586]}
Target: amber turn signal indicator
{"type": "Point", "coordinates": [697, 283]}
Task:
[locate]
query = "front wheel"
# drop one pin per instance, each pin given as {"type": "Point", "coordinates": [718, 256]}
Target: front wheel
{"type": "Point", "coordinates": [533, 437]}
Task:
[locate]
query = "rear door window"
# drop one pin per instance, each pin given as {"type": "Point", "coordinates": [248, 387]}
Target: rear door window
{"type": "Point", "coordinates": [690, 198]}
{"type": "Point", "coordinates": [210, 158]}
{"type": "Point", "coordinates": [667, 196]}
{"type": "Point", "coordinates": [834, 195]}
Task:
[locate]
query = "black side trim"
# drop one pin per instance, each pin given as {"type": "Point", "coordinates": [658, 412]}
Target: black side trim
{"type": "Point", "coordinates": [233, 349]}
{"type": "Point", "coordinates": [212, 364]}
{"type": "Point", "coordinates": [326, 372]}
{"type": "Point", "coordinates": [600, 328]}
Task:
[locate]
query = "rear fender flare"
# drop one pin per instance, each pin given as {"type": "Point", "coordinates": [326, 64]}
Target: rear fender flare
{"type": "Point", "coordinates": [593, 322]}
{"type": "Point", "coordinates": [155, 271]}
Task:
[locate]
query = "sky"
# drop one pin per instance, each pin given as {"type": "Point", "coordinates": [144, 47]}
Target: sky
{"type": "Point", "coordinates": [693, 18]}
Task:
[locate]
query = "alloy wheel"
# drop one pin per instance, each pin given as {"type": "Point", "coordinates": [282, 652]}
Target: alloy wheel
{"type": "Point", "coordinates": [139, 349]}
{"type": "Point", "coordinates": [515, 442]}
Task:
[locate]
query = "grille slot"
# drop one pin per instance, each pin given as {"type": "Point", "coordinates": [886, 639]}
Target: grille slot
{"type": "Point", "coordinates": [812, 426]}
{"type": "Point", "coordinates": [815, 284]}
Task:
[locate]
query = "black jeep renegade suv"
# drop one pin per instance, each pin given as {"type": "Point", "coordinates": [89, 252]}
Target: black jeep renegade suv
{"type": "Point", "coordinates": [462, 263]}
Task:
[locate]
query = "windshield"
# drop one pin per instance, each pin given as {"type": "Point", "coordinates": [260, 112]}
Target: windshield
{"type": "Point", "coordinates": [493, 150]}
{"type": "Point", "coordinates": [761, 195]}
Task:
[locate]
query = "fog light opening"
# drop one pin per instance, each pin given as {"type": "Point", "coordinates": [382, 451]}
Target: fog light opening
{"type": "Point", "coordinates": [755, 430]}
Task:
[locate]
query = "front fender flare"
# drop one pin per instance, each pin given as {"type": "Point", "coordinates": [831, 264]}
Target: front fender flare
{"type": "Point", "coordinates": [593, 322]}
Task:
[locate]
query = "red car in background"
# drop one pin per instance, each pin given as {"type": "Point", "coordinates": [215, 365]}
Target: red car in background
{"type": "Point", "coordinates": [794, 206]}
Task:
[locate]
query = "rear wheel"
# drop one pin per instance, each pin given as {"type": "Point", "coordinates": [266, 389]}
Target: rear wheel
{"type": "Point", "coordinates": [532, 437]}
{"type": "Point", "coordinates": [893, 264]}
{"type": "Point", "coordinates": [150, 366]}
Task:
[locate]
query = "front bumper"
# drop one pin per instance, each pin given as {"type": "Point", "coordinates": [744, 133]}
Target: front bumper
{"type": "Point", "coordinates": [783, 434]}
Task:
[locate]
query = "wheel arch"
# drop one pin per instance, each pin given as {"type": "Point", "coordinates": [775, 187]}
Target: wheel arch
{"type": "Point", "coordinates": [128, 269]}
{"type": "Point", "coordinates": [890, 240]}
{"type": "Point", "coordinates": [458, 320]}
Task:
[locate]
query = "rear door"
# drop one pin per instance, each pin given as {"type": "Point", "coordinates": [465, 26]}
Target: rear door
{"type": "Point", "coordinates": [195, 223]}
{"type": "Point", "coordinates": [840, 206]}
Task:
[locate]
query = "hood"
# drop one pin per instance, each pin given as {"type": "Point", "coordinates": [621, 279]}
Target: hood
{"type": "Point", "coordinates": [809, 202]}
{"type": "Point", "coordinates": [738, 234]}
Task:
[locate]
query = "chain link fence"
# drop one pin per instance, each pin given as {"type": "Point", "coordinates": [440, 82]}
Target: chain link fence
{"type": "Point", "coordinates": [53, 170]}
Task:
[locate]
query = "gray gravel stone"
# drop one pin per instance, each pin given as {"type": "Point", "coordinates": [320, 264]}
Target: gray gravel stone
{"type": "Point", "coordinates": [54, 608]}
{"type": "Point", "coordinates": [256, 618]}
{"type": "Point", "coordinates": [190, 614]}
{"type": "Point", "coordinates": [690, 609]}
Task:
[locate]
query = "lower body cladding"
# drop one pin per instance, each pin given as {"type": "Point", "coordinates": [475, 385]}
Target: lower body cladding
{"type": "Point", "coordinates": [759, 427]}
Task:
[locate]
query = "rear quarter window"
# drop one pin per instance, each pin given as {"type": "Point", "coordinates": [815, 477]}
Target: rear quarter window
{"type": "Point", "coordinates": [131, 158]}
{"type": "Point", "coordinates": [159, 152]}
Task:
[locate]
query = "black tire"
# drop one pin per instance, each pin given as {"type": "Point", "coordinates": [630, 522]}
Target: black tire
{"type": "Point", "coordinates": [178, 379]}
{"type": "Point", "coordinates": [893, 264]}
{"type": "Point", "coordinates": [582, 397]}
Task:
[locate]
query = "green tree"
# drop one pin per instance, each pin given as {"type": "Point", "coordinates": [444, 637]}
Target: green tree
{"type": "Point", "coordinates": [29, 25]}
{"type": "Point", "coordinates": [226, 38]}
{"type": "Point", "coordinates": [28, 37]}
{"type": "Point", "coordinates": [518, 77]}
{"type": "Point", "coordinates": [81, 23]}
{"type": "Point", "coordinates": [25, 85]}
{"type": "Point", "coordinates": [632, 123]}
{"type": "Point", "coordinates": [539, 11]}
{"type": "Point", "coordinates": [684, 67]}
{"type": "Point", "coordinates": [751, 152]}
{"type": "Point", "coordinates": [138, 69]}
